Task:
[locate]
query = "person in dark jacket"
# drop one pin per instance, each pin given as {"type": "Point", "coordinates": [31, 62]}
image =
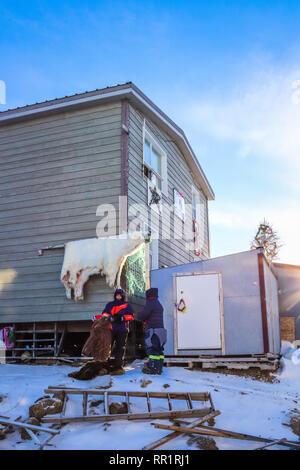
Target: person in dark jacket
{"type": "Point", "coordinates": [156, 335]}
{"type": "Point", "coordinates": [120, 313]}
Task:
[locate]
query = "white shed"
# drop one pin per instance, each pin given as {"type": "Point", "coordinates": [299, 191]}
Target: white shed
{"type": "Point", "coordinates": [221, 306]}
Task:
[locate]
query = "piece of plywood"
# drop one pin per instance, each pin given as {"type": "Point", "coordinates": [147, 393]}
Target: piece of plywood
{"type": "Point", "coordinates": [287, 329]}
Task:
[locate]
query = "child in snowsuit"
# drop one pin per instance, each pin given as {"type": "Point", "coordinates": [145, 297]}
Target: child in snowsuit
{"type": "Point", "coordinates": [156, 335]}
{"type": "Point", "coordinates": [120, 312]}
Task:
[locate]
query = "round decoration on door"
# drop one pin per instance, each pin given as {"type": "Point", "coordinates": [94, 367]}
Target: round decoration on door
{"type": "Point", "coordinates": [181, 307]}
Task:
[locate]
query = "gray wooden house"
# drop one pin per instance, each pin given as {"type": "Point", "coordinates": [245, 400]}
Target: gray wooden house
{"type": "Point", "coordinates": [59, 161]}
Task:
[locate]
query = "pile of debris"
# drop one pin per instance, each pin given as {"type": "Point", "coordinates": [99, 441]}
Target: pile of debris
{"type": "Point", "coordinates": [52, 409]}
{"type": "Point", "coordinates": [31, 427]}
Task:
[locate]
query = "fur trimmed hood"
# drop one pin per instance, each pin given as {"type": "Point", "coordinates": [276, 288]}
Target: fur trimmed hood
{"type": "Point", "coordinates": [120, 291]}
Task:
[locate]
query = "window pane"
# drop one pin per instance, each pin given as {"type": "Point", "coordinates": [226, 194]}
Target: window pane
{"type": "Point", "coordinates": [147, 152]}
{"type": "Point", "coordinates": [156, 181]}
{"type": "Point", "coordinates": [156, 161]}
{"type": "Point", "coordinates": [194, 203]}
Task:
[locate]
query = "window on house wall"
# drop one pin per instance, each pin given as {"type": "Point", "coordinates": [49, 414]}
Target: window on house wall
{"type": "Point", "coordinates": [179, 204]}
{"type": "Point", "coordinates": [196, 201]}
{"type": "Point", "coordinates": [155, 163]}
{"type": "Point", "coordinates": [153, 254]}
{"type": "Point", "coordinates": [197, 206]}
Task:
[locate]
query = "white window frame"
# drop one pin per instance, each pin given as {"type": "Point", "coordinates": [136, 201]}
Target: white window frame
{"type": "Point", "coordinates": [200, 207]}
{"type": "Point", "coordinates": [196, 192]}
{"type": "Point", "coordinates": [153, 251]}
{"type": "Point", "coordinates": [153, 142]}
{"type": "Point", "coordinates": [177, 212]}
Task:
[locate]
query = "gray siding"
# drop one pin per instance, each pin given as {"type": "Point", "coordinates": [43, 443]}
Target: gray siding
{"type": "Point", "coordinates": [171, 252]}
{"type": "Point", "coordinates": [55, 171]}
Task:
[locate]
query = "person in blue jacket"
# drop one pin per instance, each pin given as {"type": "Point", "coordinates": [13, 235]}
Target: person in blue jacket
{"type": "Point", "coordinates": [156, 334]}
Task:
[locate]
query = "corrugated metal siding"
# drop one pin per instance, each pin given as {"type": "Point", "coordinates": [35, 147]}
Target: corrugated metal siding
{"type": "Point", "coordinates": [55, 171]}
{"type": "Point", "coordinates": [171, 252]}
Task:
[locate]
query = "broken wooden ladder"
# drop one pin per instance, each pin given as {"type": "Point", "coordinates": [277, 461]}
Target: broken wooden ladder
{"type": "Point", "coordinates": [187, 398]}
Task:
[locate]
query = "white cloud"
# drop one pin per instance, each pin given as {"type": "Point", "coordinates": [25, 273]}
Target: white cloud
{"type": "Point", "coordinates": [261, 116]}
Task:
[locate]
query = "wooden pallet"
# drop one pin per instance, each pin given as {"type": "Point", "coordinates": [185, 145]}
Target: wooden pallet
{"type": "Point", "coordinates": [188, 399]}
{"type": "Point", "coordinates": [262, 362]}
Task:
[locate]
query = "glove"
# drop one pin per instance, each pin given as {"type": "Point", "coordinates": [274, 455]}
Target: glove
{"type": "Point", "coordinates": [117, 318]}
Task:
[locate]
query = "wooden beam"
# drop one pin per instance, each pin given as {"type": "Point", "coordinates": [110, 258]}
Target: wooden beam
{"type": "Point", "coordinates": [65, 399]}
{"type": "Point", "coordinates": [84, 403]}
{"type": "Point", "coordinates": [148, 402]}
{"type": "Point", "coordinates": [169, 402]}
{"type": "Point", "coordinates": [61, 341]}
{"type": "Point", "coordinates": [173, 435]}
{"type": "Point", "coordinates": [209, 431]}
{"type": "Point", "coordinates": [187, 430]}
{"type": "Point", "coordinates": [27, 426]}
{"type": "Point", "coordinates": [129, 416]}
{"type": "Point", "coordinates": [279, 441]}
{"type": "Point", "coordinates": [174, 395]}
{"type": "Point", "coordinates": [127, 401]}
{"type": "Point", "coordinates": [106, 403]}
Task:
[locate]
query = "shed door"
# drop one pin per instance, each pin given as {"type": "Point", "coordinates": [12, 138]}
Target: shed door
{"type": "Point", "coordinates": [199, 326]}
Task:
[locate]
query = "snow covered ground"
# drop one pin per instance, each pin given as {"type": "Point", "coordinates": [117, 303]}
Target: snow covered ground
{"type": "Point", "coordinates": [246, 405]}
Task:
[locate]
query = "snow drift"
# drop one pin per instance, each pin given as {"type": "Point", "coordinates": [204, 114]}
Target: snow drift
{"type": "Point", "coordinates": [105, 256]}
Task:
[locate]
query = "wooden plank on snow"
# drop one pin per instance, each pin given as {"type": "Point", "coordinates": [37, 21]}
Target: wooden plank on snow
{"type": "Point", "coordinates": [173, 435]}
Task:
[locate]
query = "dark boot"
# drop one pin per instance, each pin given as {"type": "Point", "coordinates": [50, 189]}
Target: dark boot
{"type": "Point", "coordinates": [89, 371]}
{"type": "Point", "coordinates": [110, 365]}
{"type": "Point", "coordinates": [161, 364]}
{"type": "Point", "coordinates": [152, 367]}
{"type": "Point", "coordinates": [116, 367]}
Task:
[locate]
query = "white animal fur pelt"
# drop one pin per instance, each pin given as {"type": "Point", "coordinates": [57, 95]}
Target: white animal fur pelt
{"type": "Point", "coordinates": [105, 256]}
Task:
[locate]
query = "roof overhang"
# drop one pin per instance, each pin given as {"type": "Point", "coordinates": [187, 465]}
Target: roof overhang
{"type": "Point", "coordinates": [136, 97]}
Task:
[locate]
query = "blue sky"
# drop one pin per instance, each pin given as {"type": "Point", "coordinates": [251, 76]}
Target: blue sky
{"type": "Point", "coordinates": [228, 72]}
